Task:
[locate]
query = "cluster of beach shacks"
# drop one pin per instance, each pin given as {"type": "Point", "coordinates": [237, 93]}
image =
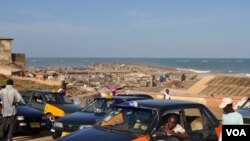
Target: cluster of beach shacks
{"type": "Point", "coordinates": [112, 74]}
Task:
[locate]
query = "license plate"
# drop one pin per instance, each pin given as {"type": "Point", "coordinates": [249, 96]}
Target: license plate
{"type": "Point", "coordinates": [65, 133]}
{"type": "Point", "coordinates": [35, 125]}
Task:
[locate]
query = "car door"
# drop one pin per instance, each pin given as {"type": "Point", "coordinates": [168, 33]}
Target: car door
{"type": "Point", "coordinates": [37, 101]}
{"type": "Point", "coordinates": [198, 124]}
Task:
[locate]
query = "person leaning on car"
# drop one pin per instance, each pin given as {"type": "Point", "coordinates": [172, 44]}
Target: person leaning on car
{"type": "Point", "coordinates": [10, 98]}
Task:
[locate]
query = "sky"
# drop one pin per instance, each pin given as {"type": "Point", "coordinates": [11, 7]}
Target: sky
{"type": "Point", "coordinates": [128, 28]}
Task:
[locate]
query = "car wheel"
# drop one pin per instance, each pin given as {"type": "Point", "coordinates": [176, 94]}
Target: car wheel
{"type": "Point", "coordinates": [51, 120]}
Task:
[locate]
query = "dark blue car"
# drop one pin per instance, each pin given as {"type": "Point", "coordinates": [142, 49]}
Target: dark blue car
{"type": "Point", "coordinates": [28, 120]}
{"type": "Point", "coordinates": [89, 115]}
{"type": "Point", "coordinates": [144, 120]}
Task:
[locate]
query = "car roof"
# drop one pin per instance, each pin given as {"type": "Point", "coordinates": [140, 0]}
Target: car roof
{"type": "Point", "coordinates": [137, 95]}
{"type": "Point", "coordinates": [164, 104]}
{"type": "Point", "coordinates": [123, 98]}
{"type": "Point", "coordinates": [41, 91]}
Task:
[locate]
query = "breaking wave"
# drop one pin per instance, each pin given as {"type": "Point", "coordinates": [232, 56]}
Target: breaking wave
{"type": "Point", "coordinates": [193, 70]}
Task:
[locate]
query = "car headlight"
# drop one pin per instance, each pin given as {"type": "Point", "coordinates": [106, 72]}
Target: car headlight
{"type": "Point", "coordinates": [84, 126]}
{"type": "Point", "coordinates": [20, 118]}
{"type": "Point", "coordinates": [58, 124]}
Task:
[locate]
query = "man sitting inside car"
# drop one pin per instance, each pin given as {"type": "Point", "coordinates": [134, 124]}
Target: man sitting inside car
{"type": "Point", "coordinates": [174, 130]}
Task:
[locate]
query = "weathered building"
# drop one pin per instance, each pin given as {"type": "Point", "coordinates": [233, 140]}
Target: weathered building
{"type": "Point", "coordinates": [7, 58]}
{"type": "Point", "coordinates": [5, 51]}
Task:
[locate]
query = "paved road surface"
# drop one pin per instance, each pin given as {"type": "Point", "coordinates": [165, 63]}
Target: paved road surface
{"type": "Point", "coordinates": [43, 136]}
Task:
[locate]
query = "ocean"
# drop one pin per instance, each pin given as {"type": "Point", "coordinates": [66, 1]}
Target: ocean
{"type": "Point", "coordinates": [199, 65]}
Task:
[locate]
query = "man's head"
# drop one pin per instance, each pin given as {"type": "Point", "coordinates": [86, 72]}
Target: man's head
{"type": "Point", "coordinates": [167, 91]}
{"type": "Point", "coordinates": [226, 104]}
{"type": "Point", "coordinates": [10, 82]}
{"type": "Point", "coordinates": [172, 121]}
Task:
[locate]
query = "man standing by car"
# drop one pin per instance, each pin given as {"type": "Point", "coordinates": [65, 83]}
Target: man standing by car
{"type": "Point", "coordinates": [63, 88]}
{"type": "Point", "coordinates": [229, 116]}
{"type": "Point", "coordinates": [10, 98]}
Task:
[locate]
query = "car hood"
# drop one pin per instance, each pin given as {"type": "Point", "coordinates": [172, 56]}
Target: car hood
{"type": "Point", "coordinates": [28, 111]}
{"type": "Point", "coordinates": [93, 134]}
{"type": "Point", "coordinates": [244, 112]}
{"type": "Point", "coordinates": [80, 118]}
{"type": "Point", "coordinates": [68, 108]}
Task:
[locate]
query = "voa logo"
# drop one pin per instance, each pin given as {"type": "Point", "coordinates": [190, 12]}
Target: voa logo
{"type": "Point", "coordinates": [236, 132]}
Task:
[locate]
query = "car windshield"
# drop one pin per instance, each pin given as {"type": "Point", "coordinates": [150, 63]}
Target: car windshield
{"type": "Point", "coordinates": [101, 105]}
{"type": "Point", "coordinates": [57, 99]}
{"type": "Point", "coordinates": [128, 119]}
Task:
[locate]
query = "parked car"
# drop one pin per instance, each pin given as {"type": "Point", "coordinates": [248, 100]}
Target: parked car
{"type": "Point", "coordinates": [137, 95]}
{"type": "Point", "coordinates": [144, 121]}
{"type": "Point", "coordinates": [53, 105]}
{"type": "Point", "coordinates": [88, 115]}
{"type": "Point", "coordinates": [28, 119]}
{"type": "Point", "coordinates": [244, 110]}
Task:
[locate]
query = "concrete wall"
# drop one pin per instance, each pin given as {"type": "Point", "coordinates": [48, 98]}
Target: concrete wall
{"type": "Point", "coordinates": [5, 51]}
{"type": "Point", "coordinates": [19, 59]}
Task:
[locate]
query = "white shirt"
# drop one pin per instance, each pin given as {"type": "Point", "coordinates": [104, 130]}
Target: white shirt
{"type": "Point", "coordinates": [234, 118]}
{"type": "Point", "coordinates": [177, 129]}
{"type": "Point", "coordinates": [9, 97]}
{"type": "Point", "coordinates": [167, 96]}
{"type": "Point", "coordinates": [61, 90]}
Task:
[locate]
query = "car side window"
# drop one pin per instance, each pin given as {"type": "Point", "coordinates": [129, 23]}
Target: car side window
{"type": "Point", "coordinates": [196, 119]}
{"type": "Point", "coordinates": [26, 96]}
{"type": "Point", "coordinates": [37, 98]}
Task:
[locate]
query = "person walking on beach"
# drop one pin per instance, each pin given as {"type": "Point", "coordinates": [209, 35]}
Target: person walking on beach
{"type": "Point", "coordinates": [167, 95]}
{"type": "Point", "coordinates": [10, 98]}
{"type": "Point", "coordinates": [229, 116]}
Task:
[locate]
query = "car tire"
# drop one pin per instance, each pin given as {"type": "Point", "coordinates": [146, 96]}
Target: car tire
{"type": "Point", "coordinates": [55, 136]}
